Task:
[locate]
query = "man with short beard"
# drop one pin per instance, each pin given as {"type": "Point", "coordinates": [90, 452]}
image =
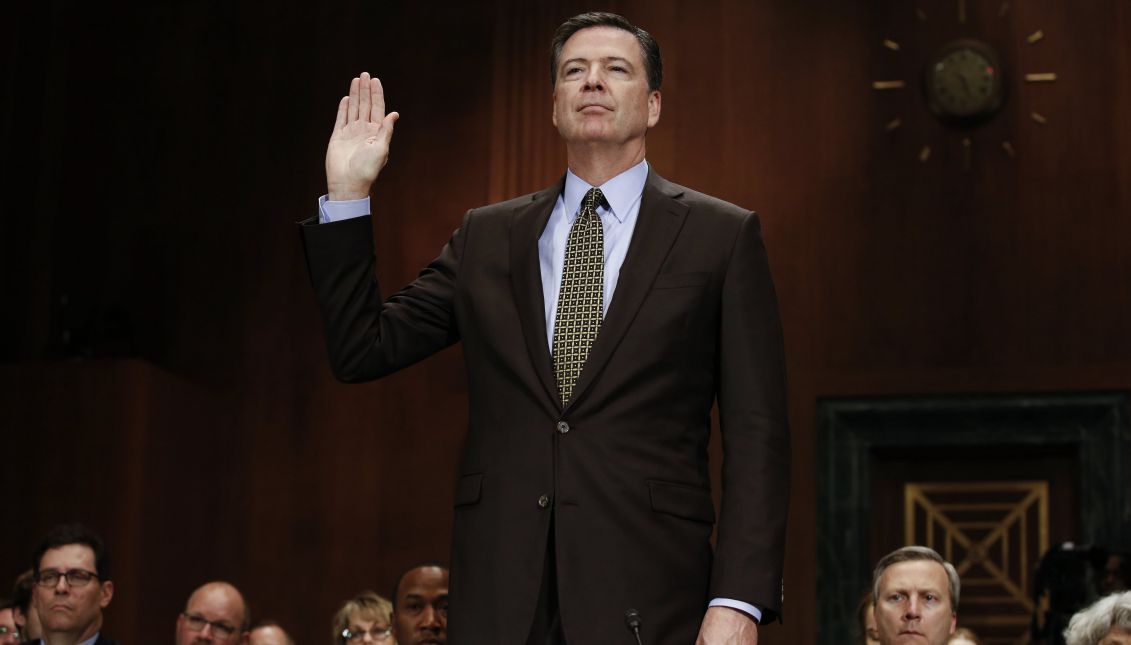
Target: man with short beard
{"type": "Point", "coordinates": [420, 606]}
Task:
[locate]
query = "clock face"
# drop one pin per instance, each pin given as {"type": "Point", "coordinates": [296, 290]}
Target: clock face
{"type": "Point", "coordinates": [963, 82]}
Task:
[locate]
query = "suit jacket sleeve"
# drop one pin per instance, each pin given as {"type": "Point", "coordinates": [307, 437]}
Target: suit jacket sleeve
{"type": "Point", "coordinates": [367, 338]}
{"type": "Point", "coordinates": [752, 414]}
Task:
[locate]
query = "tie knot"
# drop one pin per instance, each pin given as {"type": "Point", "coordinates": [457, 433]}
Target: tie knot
{"type": "Point", "coordinates": [593, 199]}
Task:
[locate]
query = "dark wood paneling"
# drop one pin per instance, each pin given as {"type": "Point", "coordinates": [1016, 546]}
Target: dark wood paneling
{"type": "Point", "coordinates": [155, 158]}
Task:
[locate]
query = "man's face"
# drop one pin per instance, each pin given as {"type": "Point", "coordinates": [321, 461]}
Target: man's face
{"type": "Point", "coordinates": [601, 92]}
{"type": "Point", "coordinates": [28, 623]}
{"type": "Point", "coordinates": [1112, 579]}
{"type": "Point", "coordinates": [66, 609]}
{"type": "Point", "coordinates": [421, 614]}
{"type": "Point", "coordinates": [913, 605]}
{"type": "Point", "coordinates": [8, 631]}
{"type": "Point", "coordinates": [214, 614]}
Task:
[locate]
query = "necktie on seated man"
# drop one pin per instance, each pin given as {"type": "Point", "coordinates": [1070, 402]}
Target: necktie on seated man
{"type": "Point", "coordinates": [582, 294]}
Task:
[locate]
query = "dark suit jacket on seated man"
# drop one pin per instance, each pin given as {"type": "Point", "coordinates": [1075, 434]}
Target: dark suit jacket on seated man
{"type": "Point", "coordinates": [581, 496]}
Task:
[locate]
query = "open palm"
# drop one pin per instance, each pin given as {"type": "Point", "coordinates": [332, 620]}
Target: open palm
{"type": "Point", "coordinates": [359, 145]}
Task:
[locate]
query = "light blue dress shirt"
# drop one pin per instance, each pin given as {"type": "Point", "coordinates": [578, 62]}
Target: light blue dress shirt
{"type": "Point", "coordinates": [618, 220]}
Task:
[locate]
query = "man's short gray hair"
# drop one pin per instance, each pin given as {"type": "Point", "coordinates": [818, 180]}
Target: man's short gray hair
{"type": "Point", "coordinates": [1091, 624]}
{"type": "Point", "coordinates": [911, 554]}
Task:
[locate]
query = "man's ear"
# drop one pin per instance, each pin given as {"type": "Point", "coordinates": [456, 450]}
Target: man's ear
{"type": "Point", "coordinates": [654, 103]}
{"type": "Point", "coordinates": [953, 621]}
{"type": "Point", "coordinates": [106, 593]}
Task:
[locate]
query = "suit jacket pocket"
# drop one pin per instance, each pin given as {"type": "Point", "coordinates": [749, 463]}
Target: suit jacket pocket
{"type": "Point", "coordinates": [468, 489]}
{"type": "Point", "coordinates": [678, 280]}
{"type": "Point", "coordinates": [681, 500]}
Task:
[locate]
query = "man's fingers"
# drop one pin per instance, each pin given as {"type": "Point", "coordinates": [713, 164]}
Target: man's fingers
{"type": "Point", "coordinates": [355, 85]}
{"type": "Point", "coordinates": [387, 126]}
{"type": "Point", "coordinates": [377, 92]}
{"type": "Point", "coordinates": [365, 96]}
{"type": "Point", "coordinates": [340, 120]}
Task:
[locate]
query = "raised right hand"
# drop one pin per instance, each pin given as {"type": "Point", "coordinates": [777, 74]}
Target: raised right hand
{"type": "Point", "coordinates": [359, 145]}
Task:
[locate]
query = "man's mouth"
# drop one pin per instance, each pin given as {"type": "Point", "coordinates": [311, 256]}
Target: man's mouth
{"type": "Point", "coordinates": [594, 107]}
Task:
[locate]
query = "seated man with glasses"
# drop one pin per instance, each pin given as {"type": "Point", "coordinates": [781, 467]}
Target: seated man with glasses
{"type": "Point", "coordinates": [215, 613]}
{"type": "Point", "coordinates": [71, 571]}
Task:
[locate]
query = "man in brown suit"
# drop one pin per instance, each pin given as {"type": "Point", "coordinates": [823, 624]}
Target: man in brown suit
{"type": "Point", "coordinates": [584, 487]}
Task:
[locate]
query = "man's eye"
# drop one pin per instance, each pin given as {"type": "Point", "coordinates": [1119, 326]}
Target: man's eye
{"type": "Point", "coordinates": [618, 68]}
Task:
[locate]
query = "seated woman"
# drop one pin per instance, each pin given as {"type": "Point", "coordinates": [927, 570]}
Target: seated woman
{"type": "Point", "coordinates": [366, 618]}
{"type": "Point", "coordinates": [1105, 622]}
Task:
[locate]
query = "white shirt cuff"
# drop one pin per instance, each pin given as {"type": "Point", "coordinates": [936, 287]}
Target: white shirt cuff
{"type": "Point", "coordinates": [329, 211]}
{"type": "Point", "coordinates": [744, 607]}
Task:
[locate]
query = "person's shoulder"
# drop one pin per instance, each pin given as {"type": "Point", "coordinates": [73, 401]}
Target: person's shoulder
{"type": "Point", "coordinates": [548, 195]}
{"type": "Point", "coordinates": [701, 202]}
{"type": "Point", "coordinates": [102, 640]}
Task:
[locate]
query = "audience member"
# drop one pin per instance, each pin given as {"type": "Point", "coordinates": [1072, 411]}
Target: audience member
{"type": "Point", "coordinates": [1105, 622]}
{"type": "Point", "coordinates": [23, 612]}
{"type": "Point", "coordinates": [215, 613]}
{"type": "Point", "coordinates": [269, 632]}
{"type": "Point", "coordinates": [420, 605]}
{"type": "Point", "coordinates": [9, 633]}
{"type": "Point", "coordinates": [916, 594]}
{"type": "Point", "coordinates": [366, 618]}
{"type": "Point", "coordinates": [71, 570]}
{"type": "Point", "coordinates": [964, 636]}
{"type": "Point", "coordinates": [1116, 574]}
{"type": "Point", "coordinates": [866, 621]}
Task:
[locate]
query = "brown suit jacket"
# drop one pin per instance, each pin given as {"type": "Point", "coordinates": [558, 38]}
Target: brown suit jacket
{"type": "Point", "coordinates": [623, 468]}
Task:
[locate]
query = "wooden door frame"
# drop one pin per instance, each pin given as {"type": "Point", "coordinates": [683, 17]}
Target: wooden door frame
{"type": "Point", "coordinates": [1093, 424]}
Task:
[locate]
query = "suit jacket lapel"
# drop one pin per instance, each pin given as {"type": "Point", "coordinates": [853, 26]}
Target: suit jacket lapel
{"type": "Point", "coordinates": [658, 223]}
{"type": "Point", "coordinates": [526, 282]}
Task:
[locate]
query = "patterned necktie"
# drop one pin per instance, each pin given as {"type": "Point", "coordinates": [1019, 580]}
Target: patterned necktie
{"type": "Point", "coordinates": [582, 296]}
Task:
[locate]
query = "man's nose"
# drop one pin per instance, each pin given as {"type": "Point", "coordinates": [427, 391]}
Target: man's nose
{"type": "Point", "coordinates": [206, 633]}
{"type": "Point", "coordinates": [913, 609]}
{"type": "Point", "coordinates": [61, 585]}
{"type": "Point", "coordinates": [594, 79]}
{"type": "Point", "coordinates": [431, 618]}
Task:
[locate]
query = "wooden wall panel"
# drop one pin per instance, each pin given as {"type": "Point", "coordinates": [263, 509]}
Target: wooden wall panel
{"type": "Point", "coordinates": [168, 150]}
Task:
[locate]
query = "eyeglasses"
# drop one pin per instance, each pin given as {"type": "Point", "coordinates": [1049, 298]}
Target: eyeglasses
{"type": "Point", "coordinates": [6, 631]}
{"type": "Point", "coordinates": [197, 623]}
{"type": "Point", "coordinates": [378, 633]}
{"type": "Point", "coordinates": [74, 577]}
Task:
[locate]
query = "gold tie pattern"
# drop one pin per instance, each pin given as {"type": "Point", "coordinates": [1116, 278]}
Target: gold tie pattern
{"type": "Point", "coordinates": [581, 298]}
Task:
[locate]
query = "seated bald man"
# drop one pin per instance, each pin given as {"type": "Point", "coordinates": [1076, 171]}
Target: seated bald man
{"type": "Point", "coordinates": [215, 613]}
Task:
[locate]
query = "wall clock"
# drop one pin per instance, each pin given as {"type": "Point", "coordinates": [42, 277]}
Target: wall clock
{"type": "Point", "coordinates": [952, 62]}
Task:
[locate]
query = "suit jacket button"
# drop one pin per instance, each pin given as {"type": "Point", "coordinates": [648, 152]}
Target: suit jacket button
{"type": "Point", "coordinates": [563, 427]}
{"type": "Point", "coordinates": [543, 501]}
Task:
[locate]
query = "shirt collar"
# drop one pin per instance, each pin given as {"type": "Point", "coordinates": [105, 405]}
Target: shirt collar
{"type": "Point", "coordinates": [620, 191]}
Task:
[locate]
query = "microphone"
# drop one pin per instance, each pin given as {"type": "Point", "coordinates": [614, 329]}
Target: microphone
{"type": "Point", "coordinates": [633, 622]}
